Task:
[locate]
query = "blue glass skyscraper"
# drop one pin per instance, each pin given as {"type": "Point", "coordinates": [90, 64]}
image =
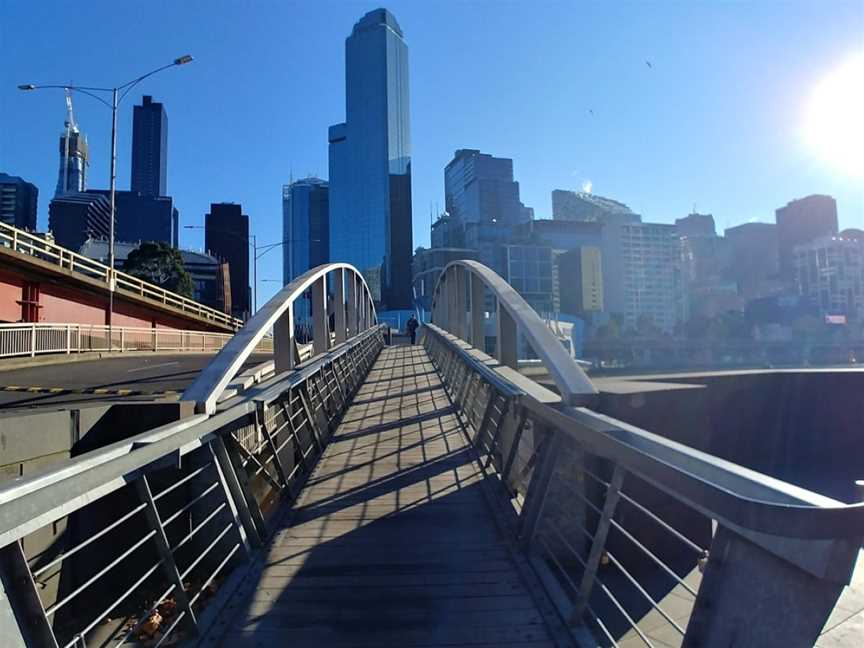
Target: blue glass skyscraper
{"type": "Point", "coordinates": [370, 162]}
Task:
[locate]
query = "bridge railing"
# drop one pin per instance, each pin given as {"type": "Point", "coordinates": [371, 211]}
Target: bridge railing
{"type": "Point", "coordinates": [341, 307]}
{"type": "Point", "coordinates": [23, 340]}
{"type": "Point", "coordinates": [35, 246]}
{"type": "Point", "coordinates": [640, 538]}
{"type": "Point", "coordinates": [461, 296]}
{"type": "Point", "coordinates": [133, 542]}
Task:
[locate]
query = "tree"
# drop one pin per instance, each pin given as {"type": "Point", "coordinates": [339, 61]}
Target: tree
{"type": "Point", "coordinates": [160, 264]}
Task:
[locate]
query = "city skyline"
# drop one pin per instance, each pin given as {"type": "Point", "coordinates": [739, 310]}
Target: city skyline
{"type": "Point", "coordinates": [734, 187]}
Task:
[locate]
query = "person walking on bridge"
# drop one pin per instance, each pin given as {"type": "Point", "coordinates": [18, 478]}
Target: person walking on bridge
{"type": "Point", "coordinates": [412, 324]}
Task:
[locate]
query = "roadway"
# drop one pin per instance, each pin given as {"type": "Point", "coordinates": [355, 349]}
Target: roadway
{"type": "Point", "coordinates": [123, 377]}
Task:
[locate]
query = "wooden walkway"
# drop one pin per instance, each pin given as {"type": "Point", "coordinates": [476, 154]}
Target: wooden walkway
{"type": "Point", "coordinates": [392, 541]}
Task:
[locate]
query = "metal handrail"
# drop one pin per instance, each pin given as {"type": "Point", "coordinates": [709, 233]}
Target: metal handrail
{"type": "Point", "coordinates": [29, 244]}
{"type": "Point", "coordinates": [278, 315]}
{"type": "Point", "coordinates": [32, 339]}
{"type": "Point", "coordinates": [564, 469]}
{"type": "Point", "coordinates": [515, 314]}
{"type": "Point", "coordinates": [725, 491]}
{"type": "Point", "coordinates": [197, 470]}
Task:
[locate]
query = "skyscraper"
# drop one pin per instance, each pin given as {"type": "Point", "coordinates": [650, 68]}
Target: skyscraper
{"type": "Point", "coordinates": [74, 156]}
{"type": "Point", "coordinates": [149, 149]}
{"type": "Point", "coordinates": [479, 188]}
{"type": "Point", "coordinates": [226, 236]}
{"type": "Point", "coordinates": [802, 221]}
{"type": "Point", "coordinates": [584, 206]}
{"type": "Point", "coordinates": [305, 227]}
{"type": "Point", "coordinates": [18, 202]}
{"type": "Point", "coordinates": [144, 218]}
{"type": "Point", "coordinates": [370, 161]}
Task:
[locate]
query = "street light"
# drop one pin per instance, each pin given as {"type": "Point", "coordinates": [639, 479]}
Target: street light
{"type": "Point", "coordinates": [250, 240]}
{"type": "Point", "coordinates": [122, 90]}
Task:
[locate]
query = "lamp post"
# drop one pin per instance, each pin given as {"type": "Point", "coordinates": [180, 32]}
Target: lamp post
{"type": "Point", "coordinates": [250, 240]}
{"type": "Point", "coordinates": [118, 93]}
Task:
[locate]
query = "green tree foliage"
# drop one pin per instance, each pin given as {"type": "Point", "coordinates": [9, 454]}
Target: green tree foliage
{"type": "Point", "coordinates": [160, 264]}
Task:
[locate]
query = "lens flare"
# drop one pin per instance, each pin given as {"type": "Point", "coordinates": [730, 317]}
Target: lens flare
{"type": "Point", "coordinates": [834, 118]}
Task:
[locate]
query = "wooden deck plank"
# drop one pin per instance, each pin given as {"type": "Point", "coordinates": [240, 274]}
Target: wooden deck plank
{"type": "Point", "coordinates": [391, 541]}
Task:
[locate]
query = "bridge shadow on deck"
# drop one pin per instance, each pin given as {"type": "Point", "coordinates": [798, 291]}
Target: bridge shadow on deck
{"type": "Point", "coordinates": [392, 541]}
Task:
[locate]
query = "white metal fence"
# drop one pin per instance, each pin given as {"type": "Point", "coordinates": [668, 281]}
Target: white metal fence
{"type": "Point", "coordinates": [38, 339]}
{"type": "Point", "coordinates": [36, 246]}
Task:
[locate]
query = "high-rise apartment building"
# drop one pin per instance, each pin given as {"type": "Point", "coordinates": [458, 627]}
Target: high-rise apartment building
{"type": "Point", "coordinates": [584, 206]}
{"type": "Point", "coordinates": [830, 270]}
{"type": "Point", "coordinates": [226, 236]}
{"type": "Point", "coordinates": [149, 149]}
{"type": "Point", "coordinates": [75, 217]}
{"type": "Point", "coordinates": [305, 227]}
{"type": "Point", "coordinates": [799, 222]}
{"type": "Point", "coordinates": [18, 200]}
{"type": "Point", "coordinates": [641, 273]}
{"type": "Point", "coordinates": [370, 162]}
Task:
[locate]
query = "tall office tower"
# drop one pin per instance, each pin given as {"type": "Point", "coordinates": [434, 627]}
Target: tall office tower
{"type": "Point", "coordinates": [580, 280]}
{"type": "Point", "coordinates": [226, 236]}
{"type": "Point", "coordinates": [74, 156]}
{"type": "Point", "coordinates": [149, 149]}
{"type": "Point", "coordinates": [18, 202]}
{"type": "Point", "coordinates": [75, 217]}
{"type": "Point", "coordinates": [479, 188]}
{"type": "Point", "coordinates": [584, 206]}
{"type": "Point", "coordinates": [799, 222]}
{"type": "Point", "coordinates": [753, 259]}
{"type": "Point", "coordinates": [144, 218]}
{"type": "Point", "coordinates": [370, 162]}
{"type": "Point", "coordinates": [305, 227]}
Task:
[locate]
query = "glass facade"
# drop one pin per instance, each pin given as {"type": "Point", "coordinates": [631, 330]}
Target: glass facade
{"type": "Point", "coordinates": [149, 148]}
{"type": "Point", "coordinates": [305, 230]}
{"type": "Point", "coordinates": [370, 162]}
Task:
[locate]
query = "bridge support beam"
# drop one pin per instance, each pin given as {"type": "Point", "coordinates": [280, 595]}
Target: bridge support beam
{"type": "Point", "coordinates": [734, 607]}
{"type": "Point", "coordinates": [453, 301]}
{"type": "Point", "coordinates": [506, 349]}
{"type": "Point", "coordinates": [351, 306]}
{"type": "Point", "coordinates": [339, 305]}
{"type": "Point", "coordinates": [461, 313]}
{"type": "Point", "coordinates": [320, 321]}
{"type": "Point", "coordinates": [478, 306]}
{"type": "Point", "coordinates": [284, 348]}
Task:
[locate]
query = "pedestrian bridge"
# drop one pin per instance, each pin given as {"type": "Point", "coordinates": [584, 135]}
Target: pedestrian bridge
{"type": "Point", "coordinates": [398, 495]}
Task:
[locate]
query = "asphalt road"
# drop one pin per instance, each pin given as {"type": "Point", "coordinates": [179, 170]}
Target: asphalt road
{"type": "Point", "coordinates": [123, 378]}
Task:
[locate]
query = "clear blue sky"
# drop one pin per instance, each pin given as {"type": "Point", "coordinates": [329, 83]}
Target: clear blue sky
{"type": "Point", "coordinates": [715, 122]}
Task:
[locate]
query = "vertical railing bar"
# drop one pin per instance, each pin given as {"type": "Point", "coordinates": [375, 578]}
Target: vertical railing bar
{"type": "Point", "coordinates": [538, 489]}
{"type": "Point", "coordinates": [599, 544]}
{"type": "Point", "coordinates": [142, 485]}
{"type": "Point", "coordinates": [255, 518]}
{"type": "Point", "coordinates": [514, 448]}
{"type": "Point", "coordinates": [501, 423]}
{"type": "Point", "coordinates": [18, 589]}
{"type": "Point", "coordinates": [277, 461]}
{"type": "Point", "coordinates": [230, 499]}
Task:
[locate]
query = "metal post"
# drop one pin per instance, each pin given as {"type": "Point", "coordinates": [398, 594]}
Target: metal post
{"type": "Point", "coordinates": [32, 340]}
{"type": "Point", "coordinates": [24, 621]}
{"type": "Point", "coordinates": [598, 545]}
{"type": "Point", "coordinates": [68, 339]}
{"type": "Point", "coordinates": [478, 306]}
{"type": "Point", "coordinates": [453, 301]}
{"type": "Point", "coordinates": [506, 350]}
{"type": "Point", "coordinates": [461, 312]}
{"type": "Point", "coordinates": [283, 341]}
{"type": "Point", "coordinates": [254, 274]}
{"type": "Point", "coordinates": [320, 325]}
{"type": "Point", "coordinates": [339, 304]}
{"type": "Point", "coordinates": [353, 293]}
{"type": "Point", "coordinates": [111, 283]}
{"type": "Point", "coordinates": [535, 498]}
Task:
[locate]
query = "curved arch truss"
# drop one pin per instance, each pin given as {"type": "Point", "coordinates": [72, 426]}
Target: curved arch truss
{"type": "Point", "coordinates": [351, 307]}
{"type": "Point", "coordinates": [459, 306]}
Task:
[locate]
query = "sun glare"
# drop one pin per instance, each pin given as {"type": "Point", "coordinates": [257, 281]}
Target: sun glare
{"type": "Point", "coordinates": [834, 118]}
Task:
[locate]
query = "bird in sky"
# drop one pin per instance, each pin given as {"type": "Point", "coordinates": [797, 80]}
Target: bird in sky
{"type": "Point", "coordinates": [591, 111]}
{"type": "Point", "coordinates": [648, 63]}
